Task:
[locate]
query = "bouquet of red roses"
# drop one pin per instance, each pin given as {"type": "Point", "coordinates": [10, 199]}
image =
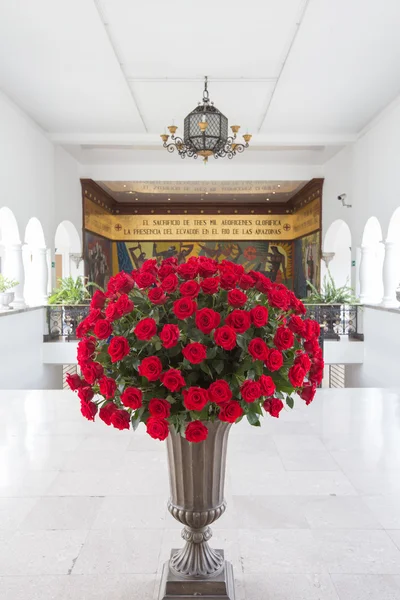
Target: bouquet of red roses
{"type": "Point", "coordinates": [177, 345]}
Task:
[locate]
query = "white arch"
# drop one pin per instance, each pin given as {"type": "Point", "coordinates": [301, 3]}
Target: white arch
{"type": "Point", "coordinates": [35, 263]}
{"type": "Point", "coordinates": [338, 241]}
{"type": "Point", "coordinates": [9, 233]}
{"type": "Point", "coordinates": [34, 235]}
{"type": "Point", "coordinates": [67, 249]}
{"type": "Point", "coordinates": [394, 227]}
{"type": "Point", "coordinates": [371, 267]}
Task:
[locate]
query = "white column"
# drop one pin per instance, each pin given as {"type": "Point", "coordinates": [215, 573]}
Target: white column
{"type": "Point", "coordinates": [390, 275]}
{"type": "Point", "coordinates": [366, 274]}
{"type": "Point", "coordinates": [14, 269]}
{"type": "Point", "coordinates": [39, 275]}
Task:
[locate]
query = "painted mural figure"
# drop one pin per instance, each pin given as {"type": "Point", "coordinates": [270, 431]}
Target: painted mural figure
{"type": "Point", "coordinates": [137, 260]}
{"type": "Point", "coordinates": [277, 260]}
{"type": "Point", "coordinates": [310, 263]}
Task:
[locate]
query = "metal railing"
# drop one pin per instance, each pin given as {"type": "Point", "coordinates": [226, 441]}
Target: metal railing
{"type": "Point", "coordinates": [62, 321]}
{"type": "Point", "coordinates": [336, 320]}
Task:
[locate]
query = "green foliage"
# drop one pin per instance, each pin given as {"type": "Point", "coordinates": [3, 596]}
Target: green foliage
{"type": "Point", "coordinates": [72, 291]}
{"type": "Point", "coordinates": [7, 284]}
{"type": "Point", "coordinates": [330, 294]}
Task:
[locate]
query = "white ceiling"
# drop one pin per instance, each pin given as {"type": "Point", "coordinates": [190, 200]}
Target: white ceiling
{"type": "Point", "coordinates": [104, 77]}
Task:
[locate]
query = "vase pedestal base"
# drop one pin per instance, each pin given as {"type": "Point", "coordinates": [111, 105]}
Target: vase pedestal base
{"type": "Point", "coordinates": [220, 587]}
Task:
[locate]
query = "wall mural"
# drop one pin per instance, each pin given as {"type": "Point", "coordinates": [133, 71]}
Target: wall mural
{"type": "Point", "coordinates": [97, 255]}
{"type": "Point", "coordinates": [307, 261]}
{"type": "Point", "coordinates": [274, 259]}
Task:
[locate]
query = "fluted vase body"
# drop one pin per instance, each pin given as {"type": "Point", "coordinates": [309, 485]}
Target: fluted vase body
{"type": "Point", "coordinates": [197, 478]}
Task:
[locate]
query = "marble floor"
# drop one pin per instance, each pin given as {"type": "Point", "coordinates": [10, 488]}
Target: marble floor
{"type": "Point", "coordinates": [313, 502]}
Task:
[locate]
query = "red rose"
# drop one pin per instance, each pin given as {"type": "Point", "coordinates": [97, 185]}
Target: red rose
{"type": "Point", "coordinates": [195, 353]}
{"type": "Point", "coordinates": [250, 390]}
{"type": "Point", "coordinates": [74, 381]}
{"type": "Point", "coordinates": [228, 265]}
{"type": "Point", "coordinates": [85, 394]}
{"type": "Point", "coordinates": [169, 335]}
{"type": "Point", "coordinates": [207, 320]}
{"type": "Point", "coordinates": [311, 329]}
{"type": "Point", "coordinates": [239, 320]}
{"type": "Point", "coordinates": [82, 328]}
{"type": "Point", "coordinates": [89, 410]}
{"type": "Point", "coordinates": [311, 346]}
{"type": "Point", "coordinates": [195, 398]}
{"type": "Point", "coordinates": [296, 375]}
{"type": "Point", "coordinates": [190, 288]}
{"type": "Point", "coordinates": [273, 406]}
{"type": "Point", "coordinates": [108, 387]}
{"type": "Point", "coordinates": [230, 412]}
{"type": "Point", "coordinates": [98, 300]}
{"type": "Point", "coordinates": [124, 305]}
{"type": "Point", "coordinates": [150, 368]}
{"type": "Point", "coordinates": [219, 392]}
{"type": "Point", "coordinates": [159, 408]}
{"type": "Point", "coordinates": [165, 270]}
{"type": "Point", "coordinates": [196, 432]}
{"type": "Point", "coordinates": [184, 307]}
{"type": "Point", "coordinates": [210, 285]}
{"type": "Point", "coordinates": [263, 284]}
{"type": "Point", "coordinates": [157, 296]}
{"type": "Point", "coordinates": [308, 392]}
{"type": "Point", "coordinates": [258, 349]}
{"type": "Point", "coordinates": [145, 329]}
{"type": "Point", "coordinates": [315, 375]}
{"type": "Point", "coordinates": [103, 329]}
{"type": "Point", "coordinates": [246, 282]}
{"type": "Point", "coordinates": [278, 298]}
{"type": "Point", "coordinates": [188, 270]}
{"type": "Point", "coordinates": [173, 380]}
{"type": "Point", "coordinates": [296, 325]}
{"type": "Point", "coordinates": [267, 385]}
{"type": "Point", "coordinates": [274, 360]}
{"type": "Point", "coordinates": [144, 280]}
{"type": "Point", "coordinates": [92, 371]}
{"type": "Point", "coordinates": [150, 265]}
{"type": "Point", "coordinates": [207, 266]}
{"type": "Point", "coordinates": [86, 347]}
{"type": "Point", "coordinates": [120, 419]}
{"type": "Point", "coordinates": [304, 361]}
{"type": "Point", "coordinates": [225, 337]}
{"type": "Point", "coordinates": [94, 315]}
{"type": "Point", "coordinates": [131, 397]}
{"type": "Point", "coordinates": [237, 298]}
{"type": "Point", "coordinates": [170, 283]}
{"type": "Point", "coordinates": [106, 412]}
{"type": "Point", "coordinates": [259, 316]}
{"type": "Point", "coordinates": [171, 260]}
{"type": "Point", "coordinates": [283, 338]}
{"type": "Point", "coordinates": [112, 311]}
{"type": "Point", "coordinates": [228, 279]}
{"type": "Point", "coordinates": [118, 348]}
{"type": "Point", "coordinates": [122, 283]}
{"type": "Point", "coordinates": [158, 429]}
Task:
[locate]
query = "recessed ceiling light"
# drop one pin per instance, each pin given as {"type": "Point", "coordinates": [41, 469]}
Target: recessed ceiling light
{"type": "Point", "coordinates": [266, 199]}
{"type": "Point", "coordinates": [169, 199]}
{"type": "Point", "coordinates": [136, 199]}
{"type": "Point", "coordinates": [279, 185]}
{"type": "Point", "coordinates": [206, 193]}
{"type": "Point", "coordinates": [124, 184]}
{"type": "Point", "coordinates": [130, 192]}
{"type": "Point", "coordinates": [273, 192]}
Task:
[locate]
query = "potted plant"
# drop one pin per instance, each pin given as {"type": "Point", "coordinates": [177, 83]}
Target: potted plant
{"type": "Point", "coordinates": [6, 297]}
{"type": "Point", "coordinates": [71, 291]}
{"type": "Point", "coordinates": [188, 350]}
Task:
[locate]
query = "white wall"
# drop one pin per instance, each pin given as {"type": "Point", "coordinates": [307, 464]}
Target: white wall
{"type": "Point", "coordinates": [21, 363]}
{"type": "Point", "coordinates": [381, 351]}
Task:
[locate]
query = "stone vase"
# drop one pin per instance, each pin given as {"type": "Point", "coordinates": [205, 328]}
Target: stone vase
{"type": "Point", "coordinates": [197, 478]}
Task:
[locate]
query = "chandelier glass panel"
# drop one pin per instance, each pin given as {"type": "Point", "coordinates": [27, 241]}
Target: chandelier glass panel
{"type": "Point", "coordinates": [205, 133]}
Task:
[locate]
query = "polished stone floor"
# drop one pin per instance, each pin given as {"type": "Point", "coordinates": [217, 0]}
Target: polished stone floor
{"type": "Point", "coordinates": [313, 502]}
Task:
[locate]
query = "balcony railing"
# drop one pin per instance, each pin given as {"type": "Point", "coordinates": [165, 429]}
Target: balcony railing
{"type": "Point", "coordinates": [336, 320]}
{"type": "Point", "coordinates": [62, 321]}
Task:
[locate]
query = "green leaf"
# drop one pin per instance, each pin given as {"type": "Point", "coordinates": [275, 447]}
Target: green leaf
{"type": "Point", "coordinates": [158, 345]}
{"type": "Point", "coordinates": [251, 374]}
{"type": "Point", "coordinates": [253, 419]}
{"type": "Point", "coordinates": [212, 352]}
{"type": "Point", "coordinates": [206, 369]}
{"type": "Point", "coordinates": [289, 401]}
{"type": "Point", "coordinates": [219, 366]}
{"type": "Point", "coordinates": [259, 367]}
{"type": "Point", "coordinates": [241, 342]}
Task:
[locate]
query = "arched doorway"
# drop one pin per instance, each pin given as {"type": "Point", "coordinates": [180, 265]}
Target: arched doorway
{"type": "Point", "coordinates": [11, 265]}
{"type": "Point", "coordinates": [35, 263]}
{"type": "Point", "coordinates": [68, 251]}
{"type": "Point", "coordinates": [391, 265]}
{"type": "Point", "coordinates": [336, 253]}
{"type": "Point", "coordinates": [372, 256]}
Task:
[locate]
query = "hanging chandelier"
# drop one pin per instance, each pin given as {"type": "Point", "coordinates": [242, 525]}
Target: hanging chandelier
{"type": "Point", "coordinates": [205, 133]}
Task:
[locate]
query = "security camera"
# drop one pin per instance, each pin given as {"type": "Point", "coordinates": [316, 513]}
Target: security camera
{"type": "Point", "coordinates": [342, 199]}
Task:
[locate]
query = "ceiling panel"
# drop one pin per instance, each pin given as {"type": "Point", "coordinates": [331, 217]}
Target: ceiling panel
{"type": "Point", "coordinates": [342, 70]}
{"type": "Point", "coordinates": [224, 38]}
{"type": "Point", "coordinates": [162, 102]}
{"type": "Point", "coordinates": [57, 63]}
